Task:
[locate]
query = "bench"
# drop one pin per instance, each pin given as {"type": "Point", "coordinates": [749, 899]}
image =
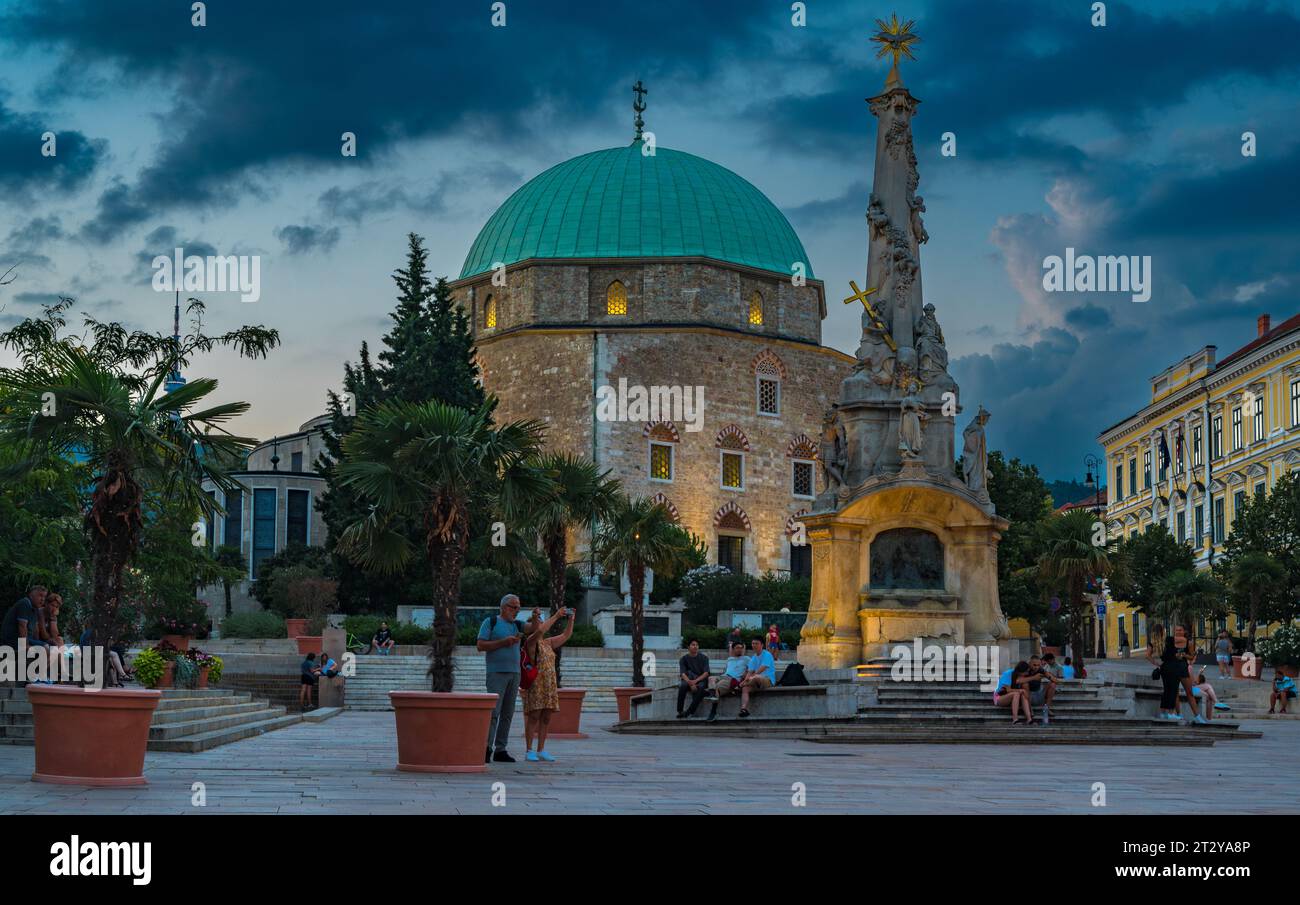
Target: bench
{"type": "Point", "coordinates": [780, 702]}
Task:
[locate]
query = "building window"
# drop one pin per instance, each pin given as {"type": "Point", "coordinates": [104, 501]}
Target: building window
{"type": "Point", "coordinates": [1119, 481]}
{"type": "Point", "coordinates": [800, 561]}
{"type": "Point", "coordinates": [1182, 527]}
{"type": "Point", "coordinates": [1260, 488]}
{"type": "Point", "coordinates": [661, 462]}
{"type": "Point", "coordinates": [616, 298]}
{"type": "Point", "coordinates": [1217, 527]}
{"type": "Point", "coordinates": [1146, 470]}
{"type": "Point", "coordinates": [1236, 429]}
{"type": "Point", "coordinates": [295, 461]}
{"type": "Point", "coordinates": [234, 518]}
{"type": "Point", "coordinates": [1259, 420]}
{"type": "Point", "coordinates": [1295, 403]}
{"type": "Point", "coordinates": [296, 509]}
{"type": "Point", "coordinates": [1196, 447]}
{"type": "Point", "coordinates": [731, 552]}
{"type": "Point", "coordinates": [1133, 475]}
{"type": "Point", "coordinates": [733, 470]}
{"type": "Point", "coordinates": [490, 313]}
{"type": "Point", "coordinates": [1216, 437]}
{"type": "Point", "coordinates": [1199, 514]}
{"type": "Point", "coordinates": [263, 527]}
{"type": "Point", "coordinates": [769, 396]}
{"type": "Point", "coordinates": [802, 479]}
{"type": "Point", "coordinates": [756, 310]}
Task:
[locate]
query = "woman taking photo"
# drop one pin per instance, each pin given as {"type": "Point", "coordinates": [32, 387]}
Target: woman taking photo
{"type": "Point", "coordinates": [1173, 656]}
{"type": "Point", "coordinates": [542, 697]}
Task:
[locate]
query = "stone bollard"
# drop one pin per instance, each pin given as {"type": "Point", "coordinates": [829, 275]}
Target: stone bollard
{"type": "Point", "coordinates": [331, 691]}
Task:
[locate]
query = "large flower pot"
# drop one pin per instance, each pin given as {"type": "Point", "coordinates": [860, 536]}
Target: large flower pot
{"type": "Point", "coordinates": [442, 732]}
{"type": "Point", "coordinates": [624, 698]}
{"type": "Point", "coordinates": [309, 644]}
{"type": "Point", "coordinates": [565, 723]}
{"type": "Point", "coordinates": [296, 627]}
{"type": "Point", "coordinates": [180, 642]}
{"type": "Point", "coordinates": [168, 675]}
{"type": "Point", "coordinates": [203, 676]}
{"type": "Point", "coordinates": [91, 738]}
{"type": "Point", "coordinates": [1237, 662]}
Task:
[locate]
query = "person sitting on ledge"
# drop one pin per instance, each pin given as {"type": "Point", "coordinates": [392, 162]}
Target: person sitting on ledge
{"type": "Point", "coordinates": [694, 680]}
{"type": "Point", "coordinates": [1008, 694]}
{"type": "Point", "coordinates": [1041, 686]}
{"type": "Point", "coordinates": [1283, 690]}
{"type": "Point", "coordinates": [329, 667]}
{"type": "Point", "coordinates": [383, 640]}
{"type": "Point", "coordinates": [760, 676]}
{"type": "Point", "coordinates": [310, 676]}
{"type": "Point", "coordinates": [1067, 671]}
{"type": "Point", "coordinates": [1050, 665]}
{"type": "Point", "coordinates": [1203, 695]}
{"type": "Point", "coordinates": [732, 676]}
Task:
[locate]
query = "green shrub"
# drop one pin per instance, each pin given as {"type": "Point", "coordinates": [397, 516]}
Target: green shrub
{"type": "Point", "coordinates": [253, 625]}
{"type": "Point", "coordinates": [482, 587]}
{"type": "Point", "coordinates": [586, 636]}
{"type": "Point", "coordinates": [408, 633]}
{"type": "Point", "coordinates": [216, 666]}
{"type": "Point", "coordinates": [149, 666]}
{"type": "Point", "coordinates": [363, 627]}
{"type": "Point", "coordinates": [776, 593]}
{"type": "Point", "coordinates": [467, 634]}
{"type": "Point", "coordinates": [1282, 648]}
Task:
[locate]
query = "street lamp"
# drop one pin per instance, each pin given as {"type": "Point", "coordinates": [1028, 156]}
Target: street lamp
{"type": "Point", "coordinates": [1092, 475]}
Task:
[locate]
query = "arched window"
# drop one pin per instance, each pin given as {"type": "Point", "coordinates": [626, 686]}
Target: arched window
{"type": "Point", "coordinates": [756, 309]}
{"type": "Point", "coordinates": [616, 298]}
{"type": "Point", "coordinates": [490, 312]}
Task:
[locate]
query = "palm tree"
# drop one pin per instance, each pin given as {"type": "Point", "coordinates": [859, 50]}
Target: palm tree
{"type": "Point", "coordinates": [1258, 579]}
{"type": "Point", "coordinates": [437, 464]}
{"type": "Point", "coordinates": [1186, 592]}
{"type": "Point", "coordinates": [233, 567]}
{"type": "Point", "coordinates": [581, 496]}
{"type": "Point", "coordinates": [106, 404]}
{"type": "Point", "coordinates": [640, 534]}
{"type": "Point", "coordinates": [1071, 558]}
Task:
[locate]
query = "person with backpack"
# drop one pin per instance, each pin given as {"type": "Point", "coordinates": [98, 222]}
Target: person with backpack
{"type": "Point", "coordinates": [539, 681]}
{"type": "Point", "coordinates": [498, 639]}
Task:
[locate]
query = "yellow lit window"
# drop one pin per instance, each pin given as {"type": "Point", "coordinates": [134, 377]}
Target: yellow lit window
{"type": "Point", "coordinates": [661, 462]}
{"type": "Point", "coordinates": [616, 298]}
{"type": "Point", "coordinates": [733, 471]}
{"type": "Point", "coordinates": [756, 310]}
{"type": "Point", "coordinates": [490, 312]}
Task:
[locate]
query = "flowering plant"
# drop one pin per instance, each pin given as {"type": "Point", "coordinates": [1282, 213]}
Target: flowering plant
{"type": "Point", "coordinates": [1282, 648]}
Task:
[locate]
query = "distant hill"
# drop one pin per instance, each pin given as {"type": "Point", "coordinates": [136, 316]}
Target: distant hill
{"type": "Point", "coordinates": [1068, 492]}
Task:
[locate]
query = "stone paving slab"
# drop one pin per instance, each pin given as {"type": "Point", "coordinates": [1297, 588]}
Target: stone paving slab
{"type": "Point", "coordinates": [346, 765]}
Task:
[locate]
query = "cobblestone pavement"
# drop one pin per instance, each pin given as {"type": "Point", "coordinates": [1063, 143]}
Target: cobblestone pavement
{"type": "Point", "coordinates": [346, 765]}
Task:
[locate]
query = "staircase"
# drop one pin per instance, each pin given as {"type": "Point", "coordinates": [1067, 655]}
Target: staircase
{"type": "Point", "coordinates": [939, 713]}
{"type": "Point", "coordinates": [376, 676]}
{"type": "Point", "coordinates": [186, 720]}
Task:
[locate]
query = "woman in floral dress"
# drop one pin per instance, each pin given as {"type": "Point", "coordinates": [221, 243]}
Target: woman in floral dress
{"type": "Point", "coordinates": [542, 698]}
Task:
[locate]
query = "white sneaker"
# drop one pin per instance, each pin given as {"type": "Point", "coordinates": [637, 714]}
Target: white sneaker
{"type": "Point", "coordinates": [1200, 720]}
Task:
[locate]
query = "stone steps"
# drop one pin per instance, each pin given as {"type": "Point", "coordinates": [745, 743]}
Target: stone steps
{"type": "Point", "coordinates": [187, 720]}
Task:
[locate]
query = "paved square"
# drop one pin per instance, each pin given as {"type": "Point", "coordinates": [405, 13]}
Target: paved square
{"type": "Point", "coordinates": [346, 765]}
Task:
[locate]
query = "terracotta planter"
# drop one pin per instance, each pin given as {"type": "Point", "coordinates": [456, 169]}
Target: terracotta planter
{"type": "Point", "coordinates": [1236, 668]}
{"type": "Point", "coordinates": [168, 675]}
{"type": "Point", "coordinates": [91, 738]}
{"type": "Point", "coordinates": [623, 696]}
{"type": "Point", "coordinates": [180, 642]}
{"type": "Point", "coordinates": [565, 723]}
{"type": "Point", "coordinates": [309, 644]}
{"type": "Point", "coordinates": [1292, 671]}
{"type": "Point", "coordinates": [296, 627]}
{"type": "Point", "coordinates": [442, 732]}
{"type": "Point", "coordinates": [203, 676]}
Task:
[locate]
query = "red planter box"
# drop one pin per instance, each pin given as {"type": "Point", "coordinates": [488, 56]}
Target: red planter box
{"type": "Point", "coordinates": [623, 696]}
{"type": "Point", "coordinates": [309, 644]}
{"type": "Point", "coordinates": [296, 627]}
{"type": "Point", "coordinates": [91, 738]}
{"type": "Point", "coordinates": [442, 732]}
{"type": "Point", "coordinates": [567, 721]}
{"type": "Point", "coordinates": [180, 642]}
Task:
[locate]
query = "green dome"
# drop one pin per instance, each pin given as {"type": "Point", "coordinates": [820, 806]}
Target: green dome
{"type": "Point", "coordinates": [619, 203]}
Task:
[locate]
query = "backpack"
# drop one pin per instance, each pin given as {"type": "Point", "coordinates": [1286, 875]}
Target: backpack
{"type": "Point", "coordinates": [527, 668]}
{"type": "Point", "coordinates": [793, 676]}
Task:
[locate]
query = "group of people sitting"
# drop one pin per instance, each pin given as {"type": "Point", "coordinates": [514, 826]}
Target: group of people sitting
{"type": "Point", "coordinates": [312, 672]}
{"type": "Point", "coordinates": [34, 619]}
{"type": "Point", "coordinates": [1031, 684]}
{"type": "Point", "coordinates": [743, 675]}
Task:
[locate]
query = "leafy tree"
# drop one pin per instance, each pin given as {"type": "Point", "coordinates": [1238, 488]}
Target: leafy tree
{"type": "Point", "coordinates": [1184, 593]}
{"type": "Point", "coordinates": [427, 355]}
{"type": "Point", "coordinates": [1259, 586]}
{"type": "Point", "coordinates": [1267, 525]}
{"type": "Point", "coordinates": [1069, 561]}
{"type": "Point", "coordinates": [435, 463]}
{"type": "Point", "coordinates": [1142, 561]}
{"type": "Point", "coordinates": [234, 567]}
{"type": "Point", "coordinates": [110, 408]}
{"type": "Point", "coordinates": [640, 534]}
{"type": "Point", "coordinates": [1022, 498]}
{"type": "Point", "coordinates": [41, 538]}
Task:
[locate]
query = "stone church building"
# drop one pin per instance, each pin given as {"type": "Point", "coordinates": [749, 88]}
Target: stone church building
{"type": "Point", "coordinates": [640, 270]}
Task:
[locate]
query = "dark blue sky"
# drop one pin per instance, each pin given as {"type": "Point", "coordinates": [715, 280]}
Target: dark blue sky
{"type": "Point", "coordinates": [1117, 140]}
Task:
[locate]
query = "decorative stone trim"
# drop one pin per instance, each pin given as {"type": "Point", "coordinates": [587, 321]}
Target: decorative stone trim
{"type": "Point", "coordinates": [769, 364]}
{"type": "Point", "coordinates": [791, 524]}
{"type": "Point", "coordinates": [732, 437]}
{"type": "Point", "coordinates": [801, 447]}
{"type": "Point", "coordinates": [663, 431]}
{"type": "Point", "coordinates": [662, 500]}
{"type": "Point", "coordinates": [729, 515]}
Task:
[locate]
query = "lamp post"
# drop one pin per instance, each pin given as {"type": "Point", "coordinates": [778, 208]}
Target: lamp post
{"type": "Point", "coordinates": [1092, 475]}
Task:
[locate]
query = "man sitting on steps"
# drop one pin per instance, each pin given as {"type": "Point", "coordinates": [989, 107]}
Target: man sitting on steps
{"type": "Point", "coordinates": [761, 675]}
{"type": "Point", "coordinates": [694, 680]}
{"type": "Point", "coordinates": [732, 676]}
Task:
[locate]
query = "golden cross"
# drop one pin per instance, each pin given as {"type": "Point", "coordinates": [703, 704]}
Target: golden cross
{"type": "Point", "coordinates": [860, 296]}
{"type": "Point", "coordinates": [895, 38]}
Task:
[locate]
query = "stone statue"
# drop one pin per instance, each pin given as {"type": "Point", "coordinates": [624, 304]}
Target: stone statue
{"type": "Point", "coordinates": [909, 424]}
{"type": "Point", "coordinates": [917, 205]}
{"type": "Point", "coordinates": [833, 451]}
{"type": "Point", "coordinates": [975, 455]}
{"type": "Point", "coordinates": [930, 347]}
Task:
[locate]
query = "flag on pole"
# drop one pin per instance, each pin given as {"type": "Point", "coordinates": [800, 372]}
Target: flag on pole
{"type": "Point", "coordinates": [1164, 451]}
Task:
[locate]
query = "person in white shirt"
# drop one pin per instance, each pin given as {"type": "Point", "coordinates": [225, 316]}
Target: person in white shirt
{"type": "Point", "coordinates": [732, 676]}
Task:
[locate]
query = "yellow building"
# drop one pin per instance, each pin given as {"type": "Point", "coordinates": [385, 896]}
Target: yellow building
{"type": "Point", "coordinates": [1231, 428]}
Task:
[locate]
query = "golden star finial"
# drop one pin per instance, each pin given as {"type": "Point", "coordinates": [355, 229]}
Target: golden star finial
{"type": "Point", "coordinates": [895, 38]}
